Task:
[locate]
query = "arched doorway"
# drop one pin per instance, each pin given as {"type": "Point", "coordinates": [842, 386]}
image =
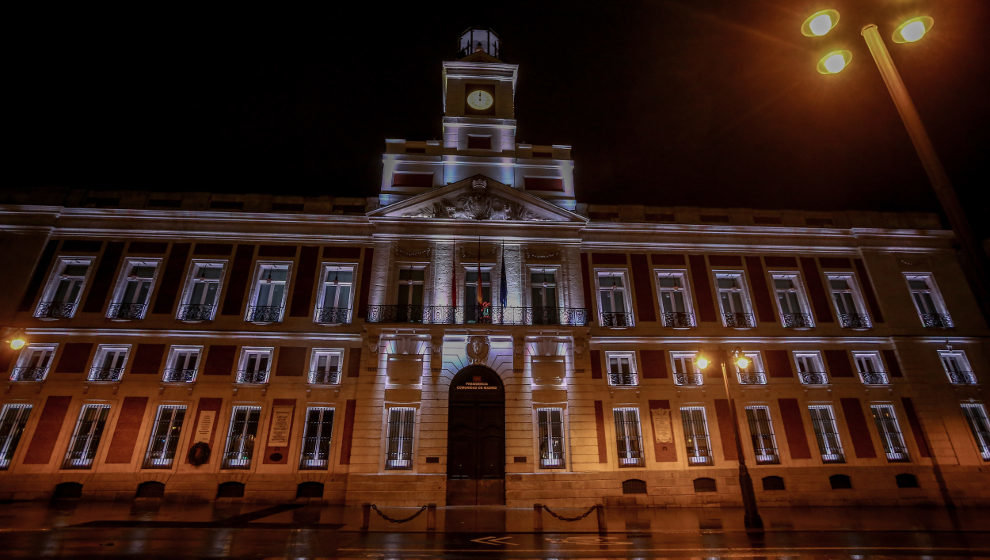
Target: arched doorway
{"type": "Point", "coordinates": [476, 438]}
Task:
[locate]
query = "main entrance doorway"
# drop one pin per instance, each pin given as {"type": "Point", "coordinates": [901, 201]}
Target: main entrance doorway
{"type": "Point", "coordinates": [476, 438]}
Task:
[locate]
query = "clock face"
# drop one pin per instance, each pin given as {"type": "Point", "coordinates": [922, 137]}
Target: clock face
{"type": "Point", "coordinates": [479, 100]}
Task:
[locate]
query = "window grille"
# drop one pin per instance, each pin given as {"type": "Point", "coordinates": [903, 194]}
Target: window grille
{"type": "Point", "coordinates": [165, 437]}
{"type": "Point", "coordinates": [316, 438]}
{"type": "Point", "coordinates": [890, 432]}
{"type": "Point", "coordinates": [629, 442]}
{"type": "Point", "coordinates": [699, 448]}
{"type": "Point", "coordinates": [829, 445]}
{"type": "Point", "coordinates": [400, 438]}
{"type": "Point", "coordinates": [979, 424]}
{"type": "Point", "coordinates": [761, 431]}
{"type": "Point", "coordinates": [241, 436]}
{"type": "Point", "coordinates": [13, 418]}
{"type": "Point", "coordinates": [551, 437]}
{"type": "Point", "coordinates": [86, 437]}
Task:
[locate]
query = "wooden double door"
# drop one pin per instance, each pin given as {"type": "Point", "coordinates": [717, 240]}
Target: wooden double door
{"type": "Point", "coordinates": [476, 438]}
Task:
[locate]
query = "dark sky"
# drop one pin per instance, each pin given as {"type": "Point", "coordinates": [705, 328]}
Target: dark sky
{"type": "Point", "coordinates": [689, 102]}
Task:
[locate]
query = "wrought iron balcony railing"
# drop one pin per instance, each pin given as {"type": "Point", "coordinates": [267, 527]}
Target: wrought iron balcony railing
{"type": "Point", "coordinates": [28, 373]}
{"type": "Point", "coordinates": [126, 311]}
{"type": "Point", "coordinates": [797, 321]}
{"type": "Point", "coordinates": [677, 319]}
{"type": "Point", "coordinates": [874, 378]}
{"type": "Point", "coordinates": [333, 315]}
{"type": "Point", "coordinates": [179, 375]}
{"type": "Point", "coordinates": [752, 378]}
{"type": "Point", "coordinates": [324, 377]}
{"type": "Point", "coordinates": [936, 320]}
{"type": "Point", "coordinates": [616, 320]}
{"type": "Point", "coordinates": [623, 379]}
{"type": "Point", "coordinates": [194, 312]}
{"type": "Point", "coordinates": [739, 320]}
{"type": "Point", "coordinates": [265, 314]}
{"type": "Point", "coordinates": [813, 377]}
{"type": "Point", "coordinates": [105, 374]}
{"type": "Point", "coordinates": [475, 314]}
{"type": "Point", "coordinates": [855, 321]}
{"type": "Point", "coordinates": [252, 377]}
{"type": "Point", "coordinates": [962, 378]}
{"type": "Point", "coordinates": [55, 310]}
{"type": "Point", "coordinates": [689, 379]}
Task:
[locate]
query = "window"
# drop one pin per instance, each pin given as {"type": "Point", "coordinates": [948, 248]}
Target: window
{"type": "Point", "coordinates": [65, 287]}
{"type": "Point", "coordinates": [13, 417]}
{"type": "Point", "coordinates": [336, 290]}
{"type": "Point", "coordinates": [848, 302]}
{"type": "Point", "coordinates": [240, 437]}
{"type": "Point", "coordinates": [622, 369]}
{"type": "Point", "coordinates": [761, 431]}
{"type": "Point", "coordinates": [791, 301]}
{"type": "Point", "coordinates": [976, 416]}
{"type": "Point", "coordinates": [870, 368]}
{"type": "Point", "coordinates": [108, 365]}
{"type": "Point", "coordinates": [400, 438]}
{"type": "Point", "coordinates": [810, 368]}
{"type": "Point", "coordinates": [754, 374]}
{"type": "Point", "coordinates": [733, 299]}
{"type": "Point", "coordinates": [130, 298]}
{"type": "Point", "coordinates": [890, 432]}
{"type": "Point", "coordinates": [202, 292]}
{"type": "Point", "coordinates": [33, 363]}
{"type": "Point", "coordinates": [928, 301]}
{"type": "Point", "coordinates": [551, 437]}
{"type": "Point", "coordinates": [543, 296]}
{"type": "Point", "coordinates": [685, 371]}
{"type": "Point", "coordinates": [629, 444]}
{"type": "Point", "coordinates": [268, 296]}
{"type": "Point", "coordinates": [86, 437]}
{"type": "Point", "coordinates": [699, 448]}
{"type": "Point", "coordinates": [316, 438]}
{"type": "Point", "coordinates": [182, 365]}
{"type": "Point", "coordinates": [254, 365]}
{"type": "Point", "coordinates": [957, 367]}
{"type": "Point", "coordinates": [409, 304]}
{"type": "Point", "coordinates": [324, 366]}
{"type": "Point", "coordinates": [823, 421]}
{"type": "Point", "coordinates": [675, 299]}
{"type": "Point", "coordinates": [475, 312]}
{"type": "Point", "coordinates": [613, 300]}
{"type": "Point", "coordinates": [165, 436]}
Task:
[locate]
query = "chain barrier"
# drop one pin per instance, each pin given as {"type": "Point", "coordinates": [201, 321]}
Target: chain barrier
{"type": "Point", "coordinates": [394, 520]}
{"type": "Point", "coordinates": [576, 518]}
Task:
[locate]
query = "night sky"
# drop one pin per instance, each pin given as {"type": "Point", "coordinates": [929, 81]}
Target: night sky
{"type": "Point", "coordinates": [713, 103]}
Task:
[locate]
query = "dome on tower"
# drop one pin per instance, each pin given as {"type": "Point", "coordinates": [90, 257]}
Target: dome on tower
{"type": "Point", "coordinates": [477, 40]}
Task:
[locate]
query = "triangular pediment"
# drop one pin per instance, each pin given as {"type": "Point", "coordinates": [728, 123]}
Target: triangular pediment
{"type": "Point", "coordinates": [478, 198]}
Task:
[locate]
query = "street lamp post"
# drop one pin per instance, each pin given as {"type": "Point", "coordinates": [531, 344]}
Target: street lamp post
{"type": "Point", "coordinates": [751, 519]}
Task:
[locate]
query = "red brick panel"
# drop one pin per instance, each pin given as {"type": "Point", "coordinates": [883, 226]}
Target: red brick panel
{"type": "Point", "coordinates": [38, 276]}
{"type": "Point", "coordinates": [714, 369]}
{"type": "Point", "coordinates": [665, 259]}
{"type": "Point", "coordinates": [219, 360]}
{"type": "Point", "coordinates": [840, 263]}
{"type": "Point", "coordinates": [609, 258]}
{"type": "Point", "coordinates": [723, 412]}
{"type": "Point", "coordinates": [291, 361]}
{"type": "Point", "coordinates": [354, 362]}
{"type": "Point", "coordinates": [302, 290]}
{"type": "Point", "coordinates": [838, 363]}
{"type": "Point", "coordinates": [148, 358]}
{"type": "Point", "coordinates": [213, 249]}
{"type": "Point", "coordinates": [207, 405]}
{"type": "Point", "coordinates": [600, 431]}
{"type": "Point", "coordinates": [281, 454]}
{"type": "Point", "coordinates": [725, 260]}
{"type": "Point", "coordinates": [596, 363]}
{"type": "Point", "coordinates": [761, 291]}
{"type": "Point", "coordinates": [5, 359]}
{"type": "Point", "coordinates": [172, 278]}
{"type": "Point", "coordinates": [665, 451]}
{"type": "Point", "coordinates": [126, 433]}
{"type": "Point", "coordinates": [893, 366]}
{"type": "Point", "coordinates": [816, 290]}
{"type": "Point", "coordinates": [348, 435]}
{"type": "Point", "coordinates": [147, 248]}
{"type": "Point", "coordinates": [871, 297]}
{"type": "Point", "coordinates": [916, 429]}
{"type": "Point", "coordinates": [369, 255]}
{"type": "Point", "coordinates": [240, 275]}
{"type": "Point", "coordinates": [643, 288]}
{"type": "Point", "coordinates": [781, 262]}
{"type": "Point", "coordinates": [284, 251]}
{"type": "Point", "coordinates": [74, 357]}
{"type": "Point", "coordinates": [333, 252]}
{"type": "Point", "coordinates": [103, 279]}
{"type": "Point", "coordinates": [654, 364]}
{"type": "Point", "coordinates": [46, 432]}
{"type": "Point", "coordinates": [702, 289]}
{"type": "Point", "coordinates": [797, 441]}
{"type": "Point", "coordinates": [779, 363]}
{"type": "Point", "coordinates": [856, 421]}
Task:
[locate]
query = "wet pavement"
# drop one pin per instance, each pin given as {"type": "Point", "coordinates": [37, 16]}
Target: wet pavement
{"type": "Point", "coordinates": [151, 529]}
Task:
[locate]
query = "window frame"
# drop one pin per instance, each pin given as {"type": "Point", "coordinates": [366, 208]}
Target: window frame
{"type": "Point", "coordinates": [116, 310]}
{"type": "Point", "coordinates": [697, 375]}
{"type": "Point", "coordinates": [629, 320]}
{"type": "Point", "coordinates": [242, 463]}
{"type": "Point", "coordinates": [405, 453]}
{"type": "Point", "coordinates": [878, 377]}
{"type": "Point", "coordinates": [696, 459]}
{"type": "Point", "coordinates": [151, 462]}
{"type": "Point", "coordinates": [890, 447]}
{"type": "Point", "coordinates": [981, 438]}
{"type": "Point", "coordinates": [863, 321]}
{"type": "Point", "coordinates": [937, 318]}
{"type": "Point", "coordinates": [835, 456]}
{"type": "Point", "coordinates": [100, 356]}
{"type": "Point", "coordinates": [626, 438]}
{"type": "Point", "coordinates": [173, 355]}
{"type": "Point", "coordinates": [621, 379]}
{"type": "Point", "coordinates": [756, 374]}
{"type": "Point", "coordinates": [316, 464]}
{"type": "Point", "coordinates": [252, 307]}
{"type": "Point", "coordinates": [314, 360]}
{"type": "Point", "coordinates": [550, 459]}
{"type": "Point", "coordinates": [761, 454]}
{"type": "Point", "coordinates": [802, 298]}
{"type": "Point", "coordinates": [963, 376]}
{"type": "Point", "coordinates": [675, 319]}
{"type": "Point", "coordinates": [320, 314]}
{"type": "Point", "coordinates": [189, 287]}
{"type": "Point", "coordinates": [557, 308]}
{"type": "Point", "coordinates": [18, 414]}
{"type": "Point", "coordinates": [51, 287]}
{"type": "Point", "coordinates": [745, 295]}
{"type": "Point", "coordinates": [90, 448]}
{"type": "Point", "coordinates": [25, 357]}
{"type": "Point", "coordinates": [816, 356]}
{"type": "Point", "coordinates": [244, 359]}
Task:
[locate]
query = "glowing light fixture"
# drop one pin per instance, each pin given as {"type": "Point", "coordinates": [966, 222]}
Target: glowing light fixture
{"type": "Point", "coordinates": [913, 29]}
{"type": "Point", "coordinates": [742, 362]}
{"type": "Point", "coordinates": [17, 343]}
{"type": "Point", "coordinates": [701, 362]}
{"type": "Point", "coordinates": [834, 62]}
{"type": "Point", "coordinates": [820, 23]}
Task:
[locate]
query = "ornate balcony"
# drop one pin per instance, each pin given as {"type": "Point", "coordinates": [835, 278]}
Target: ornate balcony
{"type": "Point", "coordinates": [195, 312]}
{"type": "Point", "coordinates": [739, 320]}
{"type": "Point", "coordinates": [936, 320]}
{"type": "Point", "coordinates": [874, 378]}
{"type": "Point", "coordinates": [326, 377]}
{"type": "Point", "coordinates": [797, 321]}
{"type": "Point", "coordinates": [813, 377]}
{"type": "Point", "coordinates": [752, 378]}
{"type": "Point", "coordinates": [55, 310]}
{"type": "Point", "coordinates": [333, 315]}
{"type": "Point", "coordinates": [475, 314]}
{"type": "Point", "coordinates": [126, 311]}
{"type": "Point", "coordinates": [252, 377]}
{"type": "Point", "coordinates": [689, 379]}
{"type": "Point", "coordinates": [28, 373]}
{"type": "Point", "coordinates": [265, 314]}
{"type": "Point", "coordinates": [623, 379]}
{"type": "Point", "coordinates": [179, 375]}
{"type": "Point", "coordinates": [962, 378]}
{"type": "Point", "coordinates": [677, 319]}
{"type": "Point", "coordinates": [855, 321]}
{"type": "Point", "coordinates": [616, 320]}
{"type": "Point", "coordinates": [105, 374]}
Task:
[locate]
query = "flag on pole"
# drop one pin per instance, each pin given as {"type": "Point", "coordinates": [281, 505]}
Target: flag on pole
{"type": "Point", "coordinates": [503, 285]}
{"type": "Point", "coordinates": [481, 299]}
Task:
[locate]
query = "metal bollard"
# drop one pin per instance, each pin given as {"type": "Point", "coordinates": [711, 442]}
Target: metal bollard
{"type": "Point", "coordinates": [365, 517]}
{"type": "Point", "coordinates": [537, 518]}
{"type": "Point", "coordinates": [602, 524]}
{"type": "Point", "coordinates": [431, 517]}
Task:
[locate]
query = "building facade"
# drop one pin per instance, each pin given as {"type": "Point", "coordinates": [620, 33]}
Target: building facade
{"type": "Point", "coordinates": [475, 335]}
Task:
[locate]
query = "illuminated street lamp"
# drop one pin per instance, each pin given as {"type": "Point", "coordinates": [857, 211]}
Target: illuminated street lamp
{"type": "Point", "coordinates": [17, 340]}
{"type": "Point", "coordinates": [751, 519]}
